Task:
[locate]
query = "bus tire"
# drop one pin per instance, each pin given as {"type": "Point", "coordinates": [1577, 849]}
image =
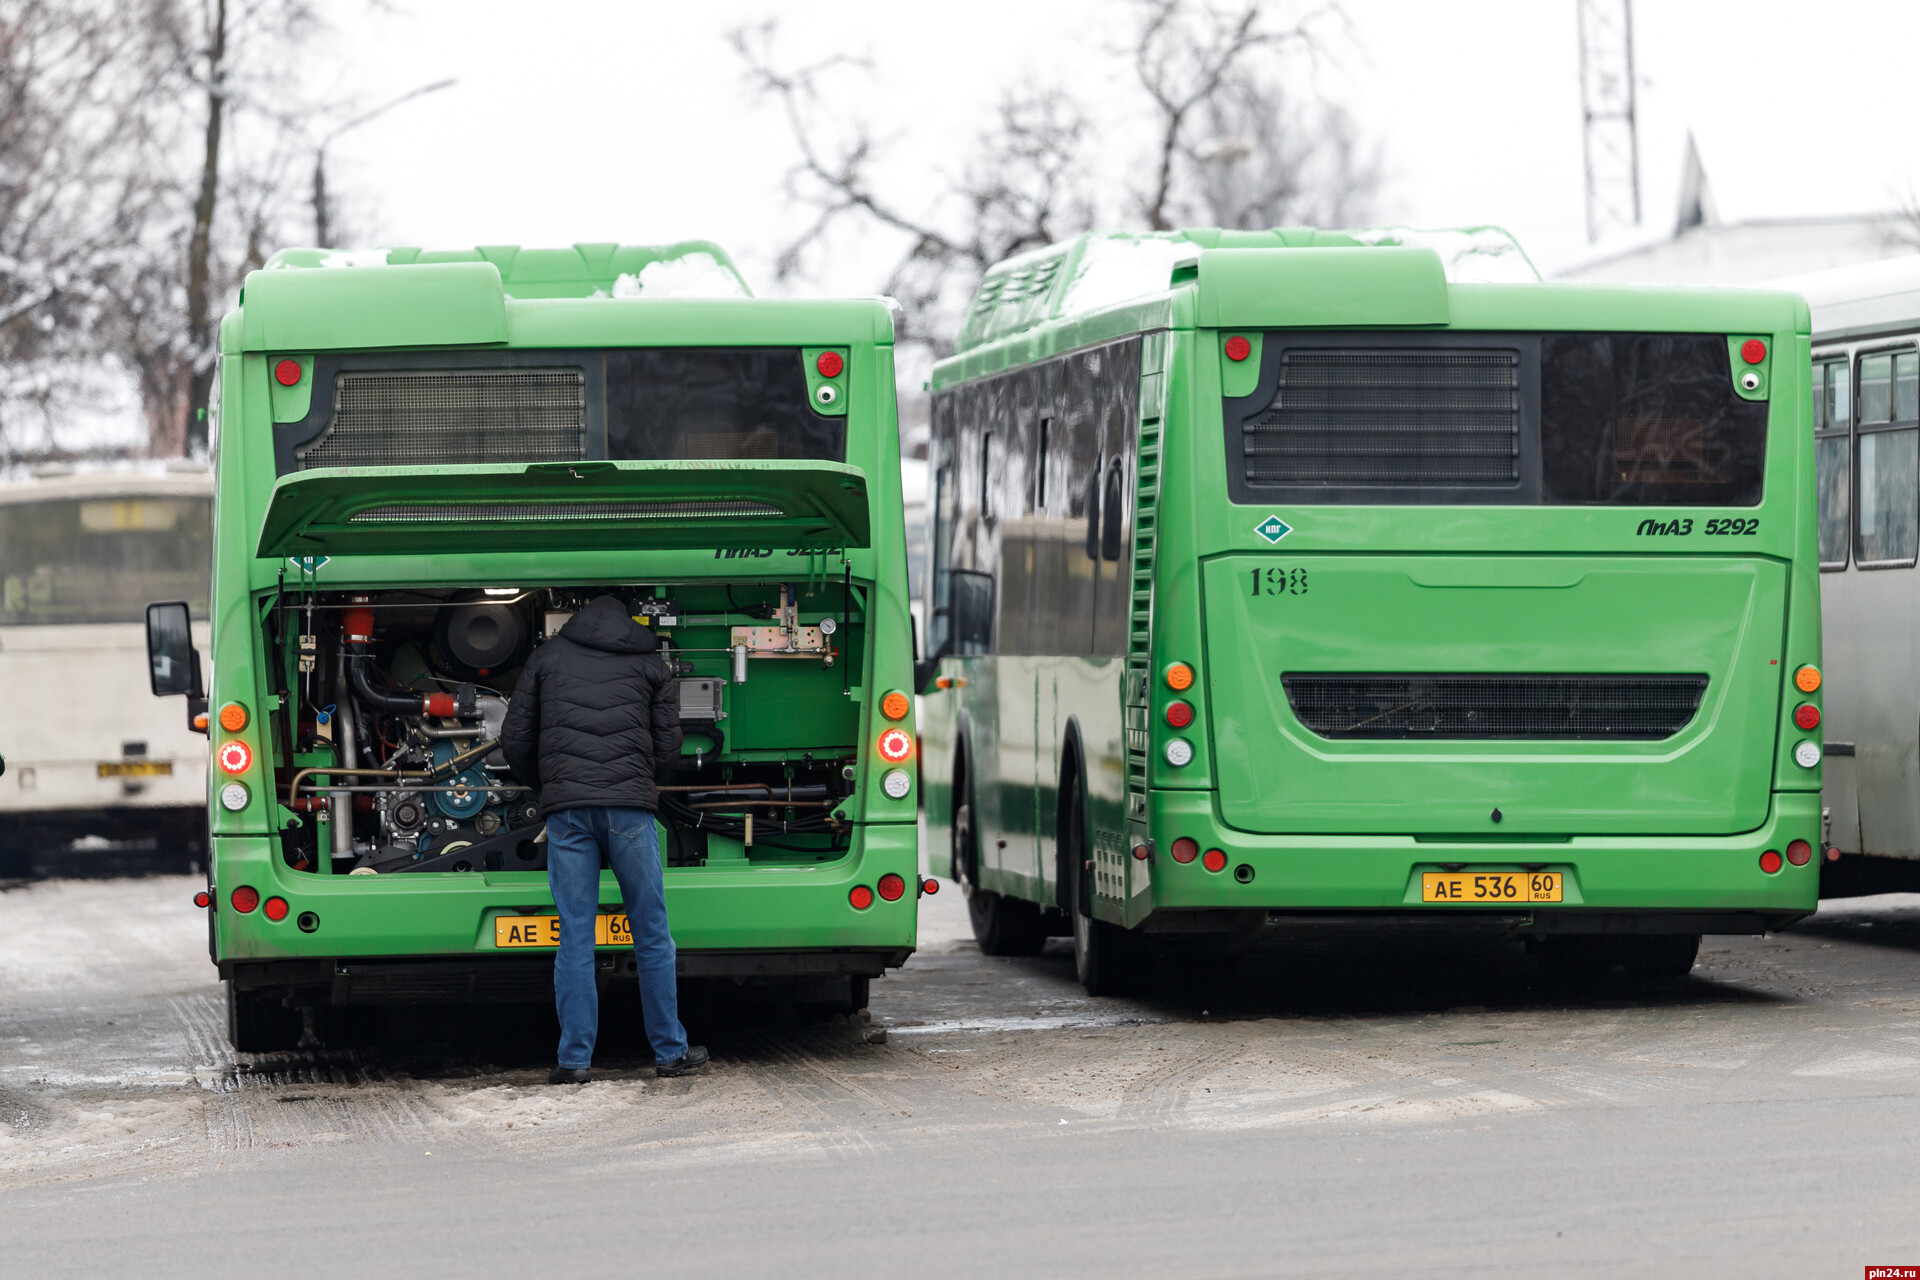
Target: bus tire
{"type": "Point", "coordinates": [1002, 926]}
{"type": "Point", "coordinates": [1651, 957]}
{"type": "Point", "coordinates": [260, 1023]}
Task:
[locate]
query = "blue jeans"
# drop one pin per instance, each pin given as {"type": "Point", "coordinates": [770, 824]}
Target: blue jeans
{"type": "Point", "coordinates": [575, 838]}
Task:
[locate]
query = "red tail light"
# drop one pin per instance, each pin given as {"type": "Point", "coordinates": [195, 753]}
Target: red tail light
{"type": "Point", "coordinates": [1770, 861]}
{"type": "Point", "coordinates": [245, 898]}
{"type": "Point", "coordinates": [1238, 348]}
{"type": "Point", "coordinates": [1799, 853]}
{"type": "Point", "coordinates": [235, 757]}
{"type": "Point", "coordinates": [287, 373]}
{"type": "Point", "coordinates": [203, 899]}
{"type": "Point", "coordinates": [1185, 849]}
{"type": "Point", "coordinates": [829, 364]}
{"type": "Point", "coordinates": [892, 887]}
{"type": "Point", "coordinates": [929, 886]}
{"type": "Point", "coordinates": [1753, 351]}
{"type": "Point", "coordinates": [276, 909]}
{"type": "Point", "coordinates": [895, 745]}
{"type": "Point", "coordinates": [1179, 714]}
{"type": "Point", "coordinates": [1807, 716]}
{"type": "Point", "coordinates": [1214, 861]}
{"type": "Point", "coordinates": [861, 897]}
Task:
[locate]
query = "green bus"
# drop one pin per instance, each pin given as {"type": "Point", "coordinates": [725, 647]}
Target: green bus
{"type": "Point", "coordinates": [1278, 581]}
{"type": "Point", "coordinates": [425, 461]}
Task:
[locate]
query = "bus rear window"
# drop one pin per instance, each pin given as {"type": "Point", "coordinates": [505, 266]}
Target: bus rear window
{"type": "Point", "coordinates": [1623, 419]}
{"type": "Point", "coordinates": [1635, 419]}
{"type": "Point", "coordinates": [671, 403]}
{"type": "Point", "coordinates": [102, 559]}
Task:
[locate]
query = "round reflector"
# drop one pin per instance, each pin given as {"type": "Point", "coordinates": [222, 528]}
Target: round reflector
{"type": "Point", "coordinates": [233, 717]}
{"type": "Point", "coordinates": [896, 784]}
{"type": "Point", "coordinates": [895, 745]}
{"type": "Point", "coordinates": [1770, 861]}
{"type": "Point", "coordinates": [1799, 853]}
{"type": "Point", "coordinates": [234, 797]}
{"type": "Point", "coordinates": [1185, 849]}
{"type": "Point", "coordinates": [1179, 753]}
{"type": "Point", "coordinates": [287, 372]}
{"type": "Point", "coordinates": [1238, 348]}
{"type": "Point", "coordinates": [1753, 351]}
{"type": "Point", "coordinates": [830, 364]}
{"type": "Point", "coordinates": [276, 909]}
{"type": "Point", "coordinates": [1179, 714]}
{"type": "Point", "coordinates": [1214, 860]}
{"type": "Point", "coordinates": [1806, 754]}
{"type": "Point", "coordinates": [1807, 716]}
{"type": "Point", "coordinates": [202, 899]}
{"type": "Point", "coordinates": [892, 887]}
{"type": "Point", "coordinates": [245, 898]}
{"type": "Point", "coordinates": [861, 897]}
{"type": "Point", "coordinates": [1179, 677]}
{"type": "Point", "coordinates": [929, 886]}
{"type": "Point", "coordinates": [1807, 679]}
{"type": "Point", "coordinates": [896, 705]}
{"type": "Point", "coordinates": [235, 757]}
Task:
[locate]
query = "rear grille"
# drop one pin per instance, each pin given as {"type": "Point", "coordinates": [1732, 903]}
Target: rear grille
{"type": "Point", "coordinates": [407, 419]}
{"type": "Point", "coordinates": [1391, 416]}
{"type": "Point", "coordinates": [1619, 708]}
{"type": "Point", "coordinates": [530, 512]}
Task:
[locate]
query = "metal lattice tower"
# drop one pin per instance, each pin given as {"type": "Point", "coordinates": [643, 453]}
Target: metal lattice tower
{"type": "Point", "coordinates": [1612, 142]}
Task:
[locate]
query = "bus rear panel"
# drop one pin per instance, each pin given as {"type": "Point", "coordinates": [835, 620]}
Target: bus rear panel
{"type": "Point", "coordinates": [1491, 603]}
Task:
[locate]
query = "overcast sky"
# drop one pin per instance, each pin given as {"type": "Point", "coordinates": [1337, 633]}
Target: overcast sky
{"type": "Point", "coordinates": [598, 120]}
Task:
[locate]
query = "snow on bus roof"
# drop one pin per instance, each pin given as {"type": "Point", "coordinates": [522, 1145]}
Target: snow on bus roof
{"type": "Point", "coordinates": [686, 269]}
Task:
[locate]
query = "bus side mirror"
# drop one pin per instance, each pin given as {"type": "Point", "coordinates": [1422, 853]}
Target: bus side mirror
{"type": "Point", "coordinates": [173, 665]}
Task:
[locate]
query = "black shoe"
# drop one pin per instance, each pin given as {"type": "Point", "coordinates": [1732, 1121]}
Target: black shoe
{"type": "Point", "coordinates": [686, 1064]}
{"type": "Point", "coordinates": [569, 1075]}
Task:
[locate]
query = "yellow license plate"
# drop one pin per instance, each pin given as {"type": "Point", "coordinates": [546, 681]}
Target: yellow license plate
{"type": "Point", "coordinates": [136, 768]}
{"type": "Point", "coordinates": [1490, 887]}
{"type": "Point", "coordinates": [544, 931]}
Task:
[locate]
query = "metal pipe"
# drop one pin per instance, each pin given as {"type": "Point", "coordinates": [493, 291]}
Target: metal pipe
{"type": "Point", "coordinates": [401, 780]}
{"type": "Point", "coordinates": [739, 664]}
{"type": "Point", "coordinates": [349, 747]}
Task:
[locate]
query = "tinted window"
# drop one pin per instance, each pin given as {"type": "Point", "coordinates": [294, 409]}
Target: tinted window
{"type": "Point", "coordinates": [672, 403]}
{"type": "Point", "coordinates": [103, 559]}
{"type": "Point", "coordinates": [1833, 457]}
{"type": "Point", "coordinates": [1647, 420]}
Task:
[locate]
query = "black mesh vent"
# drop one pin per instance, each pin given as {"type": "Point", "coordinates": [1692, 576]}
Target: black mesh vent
{"type": "Point", "coordinates": [1623, 707]}
{"type": "Point", "coordinates": [409, 419]}
{"type": "Point", "coordinates": [523, 512]}
{"type": "Point", "coordinates": [1395, 416]}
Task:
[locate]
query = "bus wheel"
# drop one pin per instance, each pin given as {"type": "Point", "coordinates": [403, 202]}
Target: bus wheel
{"type": "Point", "coordinates": [1002, 926]}
{"type": "Point", "coordinates": [258, 1023]}
{"type": "Point", "coordinates": [1653, 956]}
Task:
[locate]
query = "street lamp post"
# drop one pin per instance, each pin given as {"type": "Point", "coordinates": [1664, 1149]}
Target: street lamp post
{"type": "Point", "coordinates": [321, 231]}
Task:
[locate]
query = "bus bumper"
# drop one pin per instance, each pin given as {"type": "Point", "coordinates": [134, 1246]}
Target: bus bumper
{"type": "Point", "coordinates": [1684, 884]}
{"type": "Point", "coordinates": [757, 921]}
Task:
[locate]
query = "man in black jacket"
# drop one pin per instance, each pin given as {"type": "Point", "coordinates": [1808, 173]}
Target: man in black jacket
{"type": "Point", "coordinates": [592, 721]}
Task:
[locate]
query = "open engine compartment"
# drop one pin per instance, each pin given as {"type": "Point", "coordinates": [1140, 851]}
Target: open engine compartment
{"type": "Point", "coordinates": [386, 751]}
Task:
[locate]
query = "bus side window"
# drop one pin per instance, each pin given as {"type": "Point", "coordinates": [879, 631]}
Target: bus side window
{"type": "Point", "coordinates": [1888, 516]}
{"type": "Point", "coordinates": [1833, 458]}
{"type": "Point", "coordinates": [940, 588]}
{"type": "Point", "coordinates": [1115, 495]}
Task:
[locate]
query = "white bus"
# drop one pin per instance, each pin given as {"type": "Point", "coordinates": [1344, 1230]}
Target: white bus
{"type": "Point", "coordinates": [95, 764]}
{"type": "Point", "coordinates": [1866, 426]}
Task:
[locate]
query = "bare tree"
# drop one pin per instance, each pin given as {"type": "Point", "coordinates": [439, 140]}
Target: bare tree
{"type": "Point", "coordinates": [1229, 144]}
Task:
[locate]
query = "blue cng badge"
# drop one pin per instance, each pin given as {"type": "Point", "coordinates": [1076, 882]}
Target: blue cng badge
{"type": "Point", "coordinates": [1273, 528]}
{"type": "Point", "coordinates": [309, 564]}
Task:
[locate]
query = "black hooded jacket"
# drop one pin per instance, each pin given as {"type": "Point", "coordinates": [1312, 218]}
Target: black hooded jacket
{"type": "Point", "coordinates": [595, 714]}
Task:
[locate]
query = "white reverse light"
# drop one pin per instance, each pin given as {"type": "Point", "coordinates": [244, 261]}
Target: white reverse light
{"type": "Point", "coordinates": [897, 783]}
{"type": "Point", "coordinates": [1179, 752]}
{"type": "Point", "coordinates": [1806, 754]}
{"type": "Point", "coordinates": [234, 797]}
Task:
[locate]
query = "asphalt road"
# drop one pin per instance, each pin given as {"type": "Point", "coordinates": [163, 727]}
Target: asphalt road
{"type": "Point", "coordinates": [1424, 1114]}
